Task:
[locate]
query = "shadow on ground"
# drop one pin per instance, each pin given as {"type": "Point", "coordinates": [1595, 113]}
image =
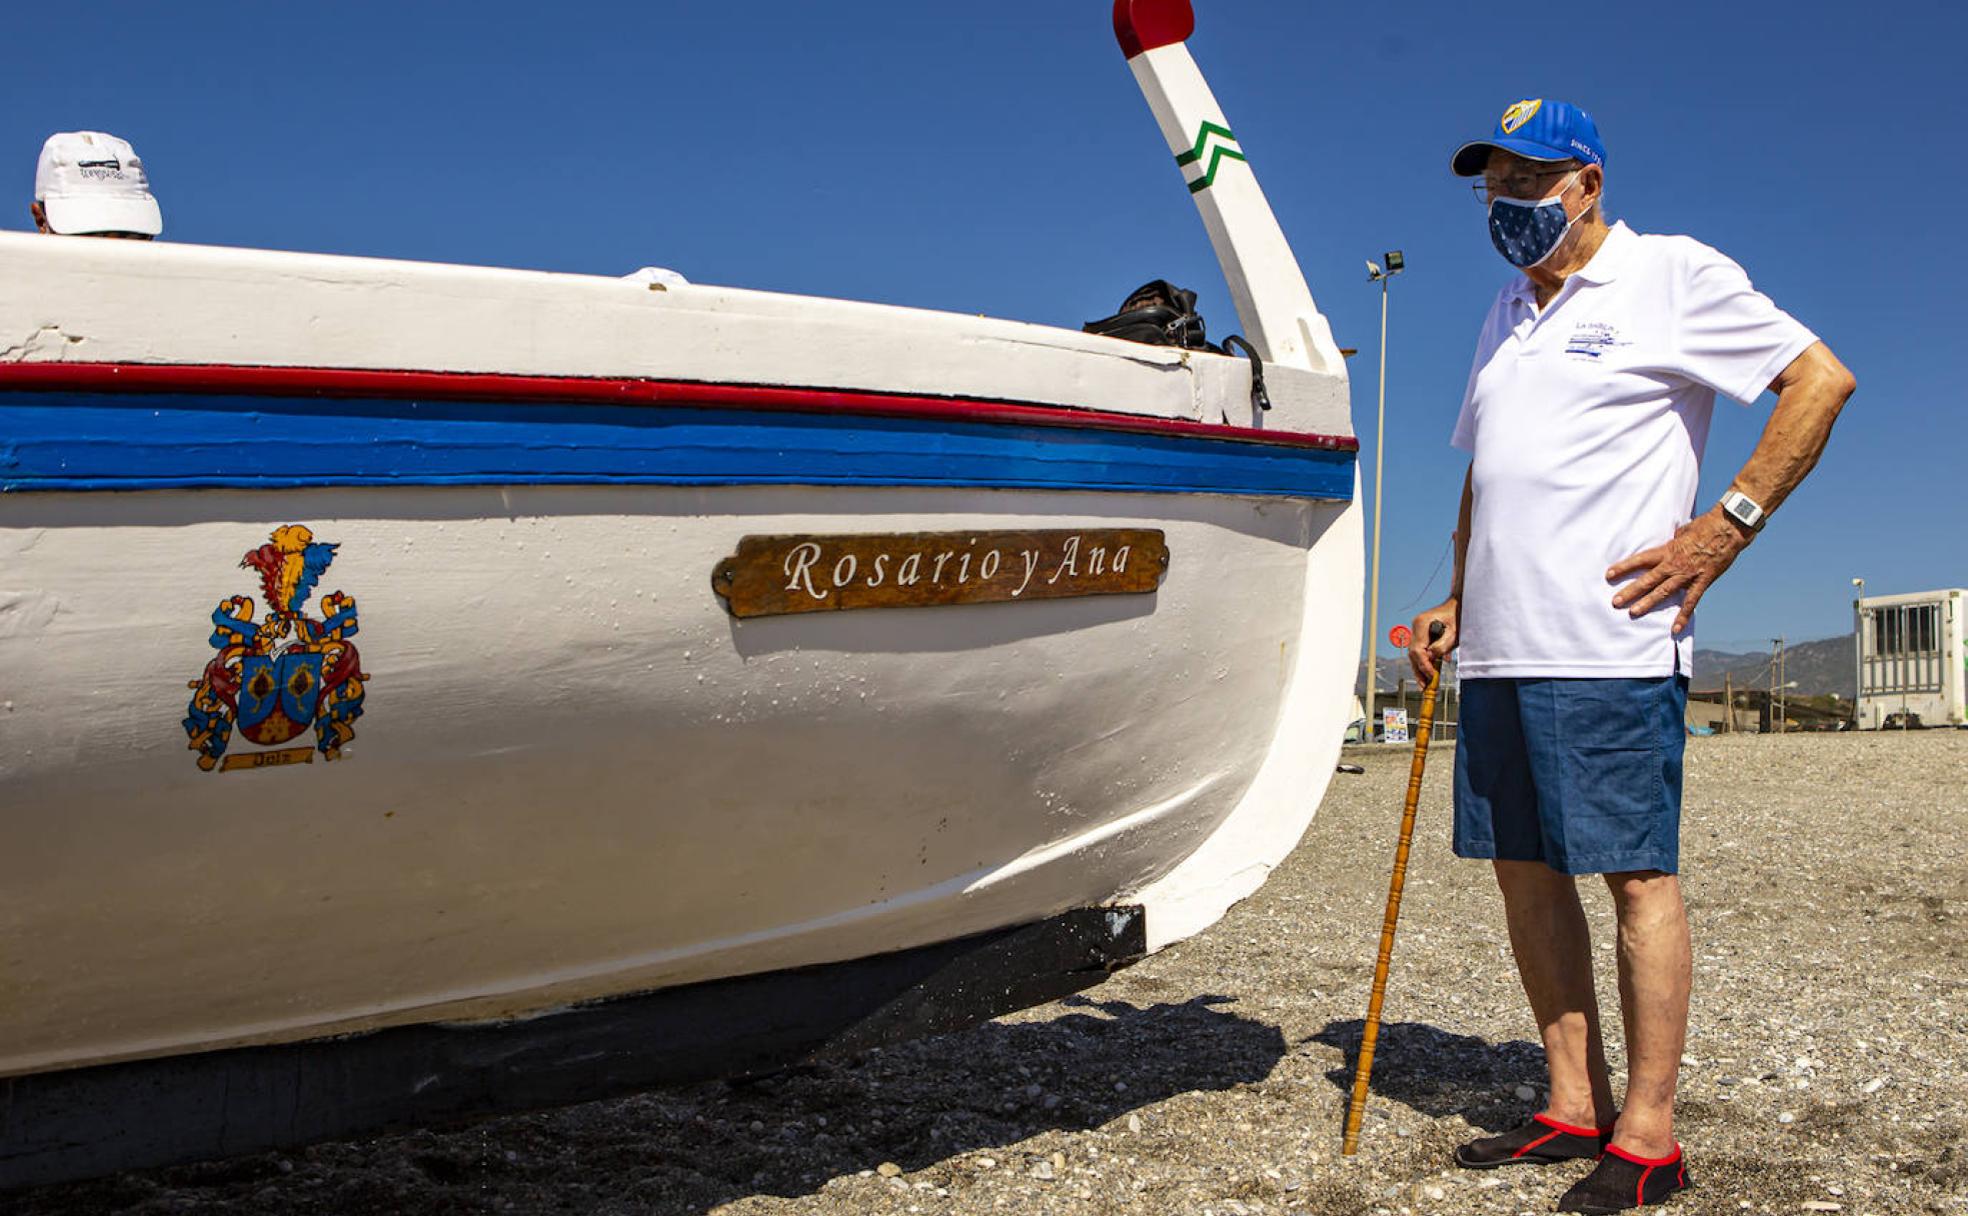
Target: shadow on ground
{"type": "Point", "coordinates": [691, 1149]}
{"type": "Point", "coordinates": [1440, 1074]}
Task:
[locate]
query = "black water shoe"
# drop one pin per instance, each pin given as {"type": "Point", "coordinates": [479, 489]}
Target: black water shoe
{"type": "Point", "coordinates": [1540, 1142]}
{"type": "Point", "coordinates": [1621, 1181]}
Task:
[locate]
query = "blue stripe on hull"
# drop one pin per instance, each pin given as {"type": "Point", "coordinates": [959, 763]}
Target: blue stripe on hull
{"type": "Point", "coordinates": [83, 441]}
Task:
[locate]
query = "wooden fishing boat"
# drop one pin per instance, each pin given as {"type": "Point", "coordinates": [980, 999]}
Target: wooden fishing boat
{"type": "Point", "coordinates": [434, 690]}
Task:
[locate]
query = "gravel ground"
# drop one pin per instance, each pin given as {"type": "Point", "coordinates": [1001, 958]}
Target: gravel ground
{"type": "Point", "coordinates": [1825, 1070]}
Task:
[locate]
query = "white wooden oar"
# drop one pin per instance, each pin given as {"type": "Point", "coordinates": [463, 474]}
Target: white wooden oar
{"type": "Point", "coordinates": [1265, 282]}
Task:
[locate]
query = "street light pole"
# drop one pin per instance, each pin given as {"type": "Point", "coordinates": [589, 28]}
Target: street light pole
{"type": "Point", "coordinates": [1776, 685]}
{"type": "Point", "coordinates": [1395, 264]}
{"type": "Point", "coordinates": [1858, 649]}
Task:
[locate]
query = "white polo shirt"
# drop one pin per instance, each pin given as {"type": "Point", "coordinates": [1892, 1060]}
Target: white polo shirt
{"type": "Point", "coordinates": [1586, 420]}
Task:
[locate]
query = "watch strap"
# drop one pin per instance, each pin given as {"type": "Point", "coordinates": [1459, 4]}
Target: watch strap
{"type": "Point", "coordinates": [1744, 510]}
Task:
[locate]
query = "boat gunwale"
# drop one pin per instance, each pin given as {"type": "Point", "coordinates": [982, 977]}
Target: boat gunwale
{"type": "Point", "coordinates": [511, 388]}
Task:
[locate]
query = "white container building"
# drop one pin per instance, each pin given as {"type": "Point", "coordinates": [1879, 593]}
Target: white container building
{"type": "Point", "coordinates": [1913, 658]}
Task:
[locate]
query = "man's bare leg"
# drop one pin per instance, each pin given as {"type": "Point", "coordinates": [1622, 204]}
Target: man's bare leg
{"type": "Point", "coordinates": [1655, 974]}
{"type": "Point", "coordinates": [1548, 934]}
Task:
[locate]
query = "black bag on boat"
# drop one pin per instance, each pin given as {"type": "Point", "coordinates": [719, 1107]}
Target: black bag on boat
{"type": "Point", "coordinates": [1158, 313]}
{"type": "Point", "coordinates": [1162, 314]}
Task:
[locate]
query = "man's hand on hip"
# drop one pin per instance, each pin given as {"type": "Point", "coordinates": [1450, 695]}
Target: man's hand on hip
{"type": "Point", "coordinates": [1701, 550]}
{"type": "Point", "coordinates": [1423, 654]}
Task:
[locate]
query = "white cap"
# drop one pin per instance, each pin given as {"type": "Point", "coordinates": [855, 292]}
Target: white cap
{"type": "Point", "coordinates": [92, 182]}
{"type": "Point", "coordinates": [657, 276]}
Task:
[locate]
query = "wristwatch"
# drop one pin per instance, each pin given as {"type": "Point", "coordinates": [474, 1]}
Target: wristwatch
{"type": "Point", "coordinates": [1744, 510]}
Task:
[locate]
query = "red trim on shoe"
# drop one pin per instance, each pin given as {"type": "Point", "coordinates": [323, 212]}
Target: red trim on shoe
{"type": "Point", "coordinates": [1544, 1139]}
{"type": "Point", "coordinates": [1591, 1133]}
{"type": "Point", "coordinates": [1650, 1162]}
{"type": "Point", "coordinates": [1640, 1187]}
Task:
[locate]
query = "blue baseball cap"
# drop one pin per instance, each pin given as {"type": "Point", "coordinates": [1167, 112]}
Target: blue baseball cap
{"type": "Point", "coordinates": [1536, 129]}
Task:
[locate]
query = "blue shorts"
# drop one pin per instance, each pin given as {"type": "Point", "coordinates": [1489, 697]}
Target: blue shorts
{"type": "Point", "coordinates": [1583, 775]}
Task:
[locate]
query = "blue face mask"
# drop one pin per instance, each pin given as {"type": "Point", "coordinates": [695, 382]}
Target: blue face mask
{"type": "Point", "coordinates": [1527, 231]}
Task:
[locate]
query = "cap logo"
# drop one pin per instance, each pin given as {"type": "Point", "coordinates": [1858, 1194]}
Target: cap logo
{"type": "Point", "coordinates": [1519, 114]}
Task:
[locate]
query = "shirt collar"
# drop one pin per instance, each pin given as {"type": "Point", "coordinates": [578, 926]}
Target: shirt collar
{"type": "Point", "coordinates": [1605, 266]}
{"type": "Point", "coordinates": [1611, 256]}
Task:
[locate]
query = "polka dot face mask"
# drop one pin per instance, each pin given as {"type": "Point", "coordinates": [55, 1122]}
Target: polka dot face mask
{"type": "Point", "coordinates": [1527, 231]}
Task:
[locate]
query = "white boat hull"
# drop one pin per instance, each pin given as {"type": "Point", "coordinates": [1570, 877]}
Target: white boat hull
{"type": "Point", "coordinates": [576, 775]}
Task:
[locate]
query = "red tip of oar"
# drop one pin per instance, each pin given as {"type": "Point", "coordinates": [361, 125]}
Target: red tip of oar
{"type": "Point", "coordinates": [1143, 25]}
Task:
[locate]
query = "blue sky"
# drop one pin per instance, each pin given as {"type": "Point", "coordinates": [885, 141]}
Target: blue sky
{"type": "Point", "coordinates": [998, 159]}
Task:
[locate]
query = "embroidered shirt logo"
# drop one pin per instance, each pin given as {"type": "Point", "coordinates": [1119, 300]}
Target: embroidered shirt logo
{"type": "Point", "coordinates": [1519, 114]}
{"type": "Point", "coordinates": [1592, 339]}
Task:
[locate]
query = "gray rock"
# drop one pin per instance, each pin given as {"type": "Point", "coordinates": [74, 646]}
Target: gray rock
{"type": "Point", "coordinates": [1826, 913]}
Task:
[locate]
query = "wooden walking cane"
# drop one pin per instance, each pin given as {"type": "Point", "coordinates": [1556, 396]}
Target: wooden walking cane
{"type": "Point", "coordinates": [1364, 1071]}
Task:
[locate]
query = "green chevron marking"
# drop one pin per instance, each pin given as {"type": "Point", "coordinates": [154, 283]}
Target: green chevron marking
{"type": "Point", "coordinates": [1217, 157]}
{"type": "Point", "coordinates": [1223, 147]}
{"type": "Point", "coordinates": [1202, 140]}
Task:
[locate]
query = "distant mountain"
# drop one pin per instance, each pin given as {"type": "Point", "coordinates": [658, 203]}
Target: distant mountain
{"type": "Point", "coordinates": [1819, 667]}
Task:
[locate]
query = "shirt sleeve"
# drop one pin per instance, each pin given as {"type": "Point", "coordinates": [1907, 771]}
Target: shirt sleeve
{"type": "Point", "coordinates": [1732, 337]}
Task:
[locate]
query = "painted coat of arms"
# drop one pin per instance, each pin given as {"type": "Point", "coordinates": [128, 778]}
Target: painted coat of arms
{"type": "Point", "coordinates": [290, 672]}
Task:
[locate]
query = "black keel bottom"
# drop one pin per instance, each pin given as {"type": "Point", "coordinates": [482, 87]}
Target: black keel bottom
{"type": "Point", "coordinates": [79, 1123]}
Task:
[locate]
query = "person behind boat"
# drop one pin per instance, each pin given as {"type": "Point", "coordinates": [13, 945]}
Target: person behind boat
{"type": "Point", "coordinates": [659, 278]}
{"type": "Point", "coordinates": [1579, 563]}
{"type": "Point", "coordinates": [91, 184]}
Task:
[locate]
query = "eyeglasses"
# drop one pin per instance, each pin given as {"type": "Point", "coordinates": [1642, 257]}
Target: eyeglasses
{"type": "Point", "coordinates": [1528, 184]}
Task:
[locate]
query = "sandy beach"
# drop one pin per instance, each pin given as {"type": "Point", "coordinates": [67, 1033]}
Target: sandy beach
{"type": "Point", "coordinates": [1827, 1067]}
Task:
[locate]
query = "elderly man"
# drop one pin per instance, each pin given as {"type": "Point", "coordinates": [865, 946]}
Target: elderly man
{"type": "Point", "coordinates": [1579, 562]}
{"type": "Point", "coordinates": [91, 184]}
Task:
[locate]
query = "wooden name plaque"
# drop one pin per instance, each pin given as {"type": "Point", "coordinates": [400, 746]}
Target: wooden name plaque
{"type": "Point", "coordinates": [776, 575]}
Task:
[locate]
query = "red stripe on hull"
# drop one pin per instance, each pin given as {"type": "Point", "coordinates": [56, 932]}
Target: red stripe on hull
{"type": "Point", "coordinates": [484, 386]}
